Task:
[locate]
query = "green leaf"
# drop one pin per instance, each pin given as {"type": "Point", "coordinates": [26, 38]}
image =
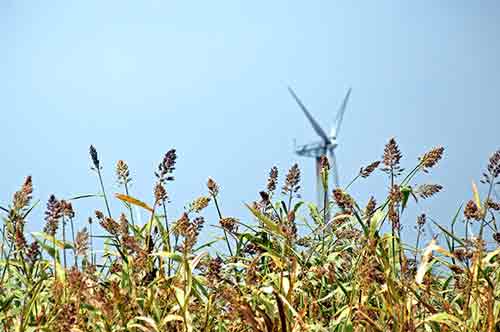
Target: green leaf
{"type": "Point", "coordinates": [58, 243]}
{"type": "Point", "coordinates": [268, 223]}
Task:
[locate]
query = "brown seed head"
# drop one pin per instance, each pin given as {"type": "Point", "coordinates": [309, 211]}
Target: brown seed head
{"type": "Point", "coordinates": [82, 242]}
{"type": "Point", "coordinates": [393, 216]}
{"type": "Point", "coordinates": [99, 215]}
{"type": "Point", "coordinates": [292, 180]}
{"type": "Point", "coordinates": [160, 193]}
{"type": "Point", "coordinates": [395, 194]}
{"type": "Point", "coordinates": [67, 209]}
{"type": "Point", "coordinates": [110, 225]}
{"type": "Point", "coordinates": [20, 240]}
{"type": "Point", "coordinates": [167, 166]}
{"type": "Point", "coordinates": [52, 215]}
{"type": "Point", "coordinates": [181, 225]}
{"type": "Point", "coordinates": [392, 157]}
{"type": "Point", "coordinates": [494, 165]}
{"type": "Point", "coordinates": [366, 171]}
{"type": "Point", "coordinates": [123, 225]}
{"type": "Point", "coordinates": [431, 158]}
{"type": "Point", "coordinates": [200, 203]}
{"type": "Point", "coordinates": [324, 163]}
{"type": "Point", "coordinates": [343, 200]}
{"type": "Point", "coordinates": [370, 206]}
{"type": "Point", "coordinates": [265, 199]}
{"type": "Point", "coordinates": [421, 220]}
{"type": "Point", "coordinates": [191, 233]}
{"type": "Point", "coordinates": [471, 211]}
{"type": "Point", "coordinates": [122, 172]}
{"type": "Point", "coordinates": [230, 224]}
{"type": "Point", "coordinates": [493, 205]}
{"type": "Point", "coordinates": [214, 270]}
{"type": "Point", "coordinates": [213, 187]}
{"type": "Point", "coordinates": [272, 180]}
{"type": "Point", "coordinates": [496, 237]}
{"type": "Point", "coordinates": [22, 197]}
{"type": "Point", "coordinates": [428, 190]}
{"type": "Point", "coordinates": [33, 253]}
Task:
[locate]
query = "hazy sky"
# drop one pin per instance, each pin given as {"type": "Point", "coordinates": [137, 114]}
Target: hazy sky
{"type": "Point", "coordinates": [136, 78]}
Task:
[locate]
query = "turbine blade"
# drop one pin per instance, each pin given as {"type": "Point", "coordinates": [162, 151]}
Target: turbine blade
{"type": "Point", "coordinates": [340, 115]}
{"type": "Point", "coordinates": [334, 168]}
{"type": "Point", "coordinates": [309, 117]}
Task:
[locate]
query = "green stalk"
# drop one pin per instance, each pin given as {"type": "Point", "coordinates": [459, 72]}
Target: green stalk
{"type": "Point", "coordinates": [91, 245]}
{"type": "Point", "coordinates": [129, 207]}
{"type": "Point", "coordinates": [64, 240]}
{"type": "Point", "coordinates": [225, 232]}
{"type": "Point", "coordinates": [55, 255]}
{"type": "Point", "coordinates": [352, 181]}
{"type": "Point", "coordinates": [73, 238]}
{"type": "Point", "coordinates": [169, 261]}
{"type": "Point", "coordinates": [104, 192]}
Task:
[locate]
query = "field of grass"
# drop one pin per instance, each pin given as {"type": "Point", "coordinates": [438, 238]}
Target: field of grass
{"type": "Point", "coordinates": [288, 267]}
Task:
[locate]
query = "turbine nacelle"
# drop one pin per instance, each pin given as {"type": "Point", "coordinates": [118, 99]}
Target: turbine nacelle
{"type": "Point", "coordinates": [328, 143]}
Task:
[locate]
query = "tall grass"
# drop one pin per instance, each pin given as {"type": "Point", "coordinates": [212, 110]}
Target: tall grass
{"type": "Point", "coordinates": [288, 267]}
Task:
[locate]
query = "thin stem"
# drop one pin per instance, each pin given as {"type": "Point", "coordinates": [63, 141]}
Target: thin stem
{"type": "Point", "coordinates": [73, 238]}
{"type": "Point", "coordinates": [225, 232]}
{"type": "Point", "coordinates": [352, 181]}
{"type": "Point", "coordinates": [129, 207]}
{"type": "Point", "coordinates": [104, 192]}
{"type": "Point", "coordinates": [64, 240]}
{"type": "Point", "coordinates": [417, 245]}
{"type": "Point", "coordinates": [168, 236]}
{"type": "Point", "coordinates": [55, 256]}
{"type": "Point", "coordinates": [91, 245]}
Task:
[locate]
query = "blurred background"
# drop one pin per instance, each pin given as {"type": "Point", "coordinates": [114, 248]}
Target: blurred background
{"type": "Point", "coordinates": [137, 78]}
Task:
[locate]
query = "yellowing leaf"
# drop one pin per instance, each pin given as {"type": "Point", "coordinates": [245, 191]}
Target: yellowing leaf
{"type": "Point", "coordinates": [133, 201]}
{"type": "Point", "coordinates": [426, 258]}
{"type": "Point", "coordinates": [477, 200]}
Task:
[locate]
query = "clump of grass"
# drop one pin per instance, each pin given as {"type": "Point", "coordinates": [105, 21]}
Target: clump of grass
{"type": "Point", "coordinates": [287, 266]}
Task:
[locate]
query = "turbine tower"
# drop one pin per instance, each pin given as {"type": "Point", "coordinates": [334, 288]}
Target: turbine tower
{"type": "Point", "coordinates": [326, 146]}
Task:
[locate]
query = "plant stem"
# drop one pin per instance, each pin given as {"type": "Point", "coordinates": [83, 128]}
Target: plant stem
{"type": "Point", "coordinates": [104, 192]}
{"type": "Point", "coordinates": [129, 207]}
{"type": "Point", "coordinates": [169, 261]}
{"type": "Point", "coordinates": [225, 232]}
{"type": "Point", "coordinates": [73, 238]}
{"type": "Point", "coordinates": [64, 240]}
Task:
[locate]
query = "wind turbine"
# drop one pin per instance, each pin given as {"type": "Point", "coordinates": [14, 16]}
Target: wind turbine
{"type": "Point", "coordinates": [326, 146]}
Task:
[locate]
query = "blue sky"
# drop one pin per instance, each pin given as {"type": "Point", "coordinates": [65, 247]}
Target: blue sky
{"type": "Point", "coordinates": [136, 78]}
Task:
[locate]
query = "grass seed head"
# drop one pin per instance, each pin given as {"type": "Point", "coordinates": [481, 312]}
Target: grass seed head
{"type": "Point", "coordinates": [272, 179]}
{"type": "Point", "coordinates": [22, 197]}
{"type": "Point", "coordinates": [431, 158]}
{"type": "Point", "coordinates": [213, 187]}
{"type": "Point", "coordinates": [392, 158]}
{"type": "Point", "coordinates": [122, 172]}
{"type": "Point", "coordinates": [428, 190]}
{"type": "Point", "coordinates": [471, 211]}
{"type": "Point", "coordinates": [67, 209]}
{"type": "Point", "coordinates": [368, 170]}
{"type": "Point", "coordinates": [33, 252]}
{"type": "Point", "coordinates": [370, 206]}
{"type": "Point", "coordinates": [52, 215]}
{"type": "Point", "coordinates": [82, 242]}
{"type": "Point", "coordinates": [160, 193]}
{"type": "Point", "coordinates": [494, 165]}
{"type": "Point", "coordinates": [167, 166]}
{"type": "Point", "coordinates": [292, 180]}
{"type": "Point", "coordinates": [200, 203]}
{"type": "Point", "coordinates": [230, 224]}
{"type": "Point", "coordinates": [94, 157]}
